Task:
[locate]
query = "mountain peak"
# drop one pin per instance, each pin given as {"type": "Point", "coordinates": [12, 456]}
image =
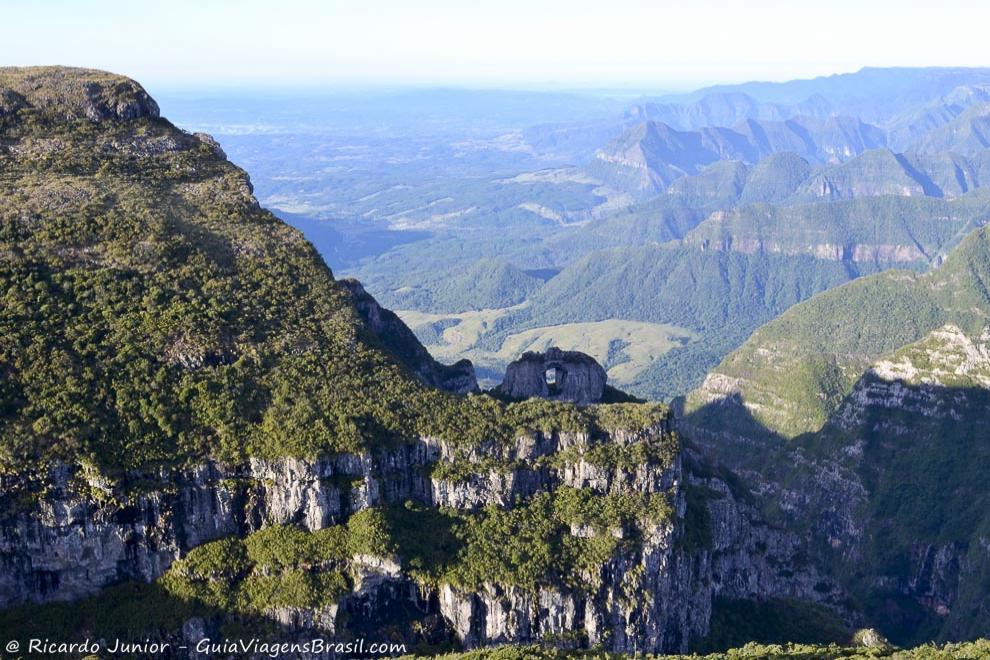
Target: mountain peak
{"type": "Point", "coordinates": [68, 93]}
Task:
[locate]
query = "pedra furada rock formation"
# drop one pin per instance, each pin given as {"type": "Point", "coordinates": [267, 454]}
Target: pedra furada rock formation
{"type": "Point", "coordinates": [557, 375]}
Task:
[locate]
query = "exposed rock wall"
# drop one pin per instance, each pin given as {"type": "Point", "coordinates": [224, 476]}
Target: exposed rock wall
{"type": "Point", "coordinates": [83, 535]}
{"type": "Point", "coordinates": [891, 488]}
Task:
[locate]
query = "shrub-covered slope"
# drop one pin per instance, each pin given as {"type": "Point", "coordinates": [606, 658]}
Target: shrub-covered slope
{"type": "Point", "coordinates": [484, 284]}
{"type": "Point", "coordinates": [152, 312]}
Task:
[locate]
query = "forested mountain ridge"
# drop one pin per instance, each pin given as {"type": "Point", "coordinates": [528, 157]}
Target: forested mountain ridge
{"type": "Point", "coordinates": [883, 230]}
{"type": "Point", "coordinates": [861, 413]}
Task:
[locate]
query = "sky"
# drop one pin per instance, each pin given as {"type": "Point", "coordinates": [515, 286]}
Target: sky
{"type": "Point", "coordinates": [481, 43]}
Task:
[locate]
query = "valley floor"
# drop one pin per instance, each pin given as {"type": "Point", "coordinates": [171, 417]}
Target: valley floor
{"type": "Point", "coordinates": [624, 348]}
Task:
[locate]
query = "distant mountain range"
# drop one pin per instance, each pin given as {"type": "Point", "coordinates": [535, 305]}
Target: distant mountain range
{"type": "Point", "coordinates": [824, 119]}
{"type": "Point", "coordinates": [875, 94]}
{"type": "Point", "coordinates": [652, 155]}
{"type": "Point", "coordinates": [726, 109]}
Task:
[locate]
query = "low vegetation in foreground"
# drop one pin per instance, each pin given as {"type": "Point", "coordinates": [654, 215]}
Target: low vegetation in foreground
{"type": "Point", "coordinates": [961, 651]}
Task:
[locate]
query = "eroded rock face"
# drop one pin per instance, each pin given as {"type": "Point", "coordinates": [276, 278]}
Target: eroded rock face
{"type": "Point", "coordinates": [652, 596]}
{"type": "Point", "coordinates": [920, 405]}
{"type": "Point", "coordinates": [559, 375]}
{"type": "Point", "coordinates": [655, 600]}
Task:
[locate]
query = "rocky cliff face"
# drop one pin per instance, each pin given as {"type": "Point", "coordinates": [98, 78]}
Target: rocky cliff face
{"type": "Point", "coordinates": [888, 486]}
{"type": "Point", "coordinates": [837, 231]}
{"type": "Point", "coordinates": [84, 534]}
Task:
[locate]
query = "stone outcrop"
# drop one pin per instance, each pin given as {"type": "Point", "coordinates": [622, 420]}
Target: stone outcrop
{"type": "Point", "coordinates": [70, 94]}
{"type": "Point", "coordinates": [559, 375]}
{"type": "Point", "coordinates": [398, 339]}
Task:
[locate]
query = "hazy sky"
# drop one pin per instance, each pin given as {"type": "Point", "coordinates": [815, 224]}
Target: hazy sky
{"type": "Point", "coordinates": [531, 43]}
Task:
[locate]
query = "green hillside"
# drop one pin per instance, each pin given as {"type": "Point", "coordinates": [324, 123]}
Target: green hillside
{"type": "Point", "coordinates": [722, 296]}
{"type": "Point", "coordinates": [154, 313]}
{"type": "Point", "coordinates": [775, 178]}
{"type": "Point", "coordinates": [822, 346]}
{"type": "Point", "coordinates": [741, 268]}
{"type": "Point", "coordinates": [484, 284]}
{"type": "Point", "coordinates": [862, 414]}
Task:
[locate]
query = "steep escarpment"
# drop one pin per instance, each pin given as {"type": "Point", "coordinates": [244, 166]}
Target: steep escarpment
{"type": "Point", "coordinates": [898, 230]}
{"type": "Point", "coordinates": [860, 415]}
{"type": "Point", "coordinates": [201, 428]}
{"type": "Point", "coordinates": [611, 539]}
{"type": "Point", "coordinates": [919, 438]}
